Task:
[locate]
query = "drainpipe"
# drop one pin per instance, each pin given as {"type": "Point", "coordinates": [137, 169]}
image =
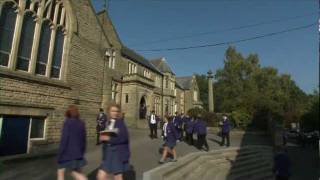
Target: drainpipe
{"type": "Point", "coordinates": [121, 81]}
{"type": "Point", "coordinates": [162, 97]}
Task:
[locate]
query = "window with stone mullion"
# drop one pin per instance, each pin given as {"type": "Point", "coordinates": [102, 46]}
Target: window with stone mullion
{"type": "Point", "coordinates": [47, 58]}
{"type": "Point", "coordinates": [25, 43]}
{"type": "Point", "coordinates": [7, 26]}
{"type": "Point", "coordinates": [57, 54]}
{"type": "Point", "coordinates": [43, 50]}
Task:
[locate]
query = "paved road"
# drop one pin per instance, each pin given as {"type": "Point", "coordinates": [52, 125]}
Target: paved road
{"type": "Point", "coordinates": [305, 161]}
{"type": "Point", "coordinates": [144, 156]}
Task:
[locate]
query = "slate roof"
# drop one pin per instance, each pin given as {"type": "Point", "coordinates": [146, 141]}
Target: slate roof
{"type": "Point", "coordinates": [131, 54]}
{"type": "Point", "coordinates": [162, 65]}
{"type": "Point", "coordinates": [184, 82]}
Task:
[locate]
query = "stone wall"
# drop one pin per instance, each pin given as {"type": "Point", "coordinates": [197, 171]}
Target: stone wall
{"type": "Point", "coordinates": [87, 79]}
{"type": "Point", "coordinates": [85, 64]}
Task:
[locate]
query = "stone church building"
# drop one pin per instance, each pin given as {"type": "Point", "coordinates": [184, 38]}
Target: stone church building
{"type": "Point", "coordinates": [54, 53]}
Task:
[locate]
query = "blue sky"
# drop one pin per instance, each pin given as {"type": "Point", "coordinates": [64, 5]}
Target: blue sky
{"type": "Point", "coordinates": [141, 22]}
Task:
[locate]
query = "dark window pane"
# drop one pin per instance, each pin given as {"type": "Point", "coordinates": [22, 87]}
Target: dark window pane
{"type": "Point", "coordinates": [43, 50]}
{"type": "Point", "coordinates": [127, 98]}
{"type": "Point", "coordinates": [35, 8]}
{"type": "Point", "coordinates": [52, 9]}
{"type": "Point", "coordinates": [41, 68]}
{"type": "Point", "coordinates": [57, 54]}
{"type": "Point", "coordinates": [23, 64]}
{"type": "Point", "coordinates": [25, 44]}
{"type": "Point", "coordinates": [37, 128]}
{"type": "Point", "coordinates": [4, 59]}
{"type": "Point", "coordinates": [59, 14]}
{"type": "Point", "coordinates": [55, 72]}
{"type": "Point", "coordinates": [28, 2]}
{"type": "Point", "coordinates": [7, 25]}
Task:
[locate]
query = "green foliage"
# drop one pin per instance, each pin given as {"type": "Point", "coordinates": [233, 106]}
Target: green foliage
{"type": "Point", "coordinates": [310, 120]}
{"type": "Point", "coordinates": [240, 119]}
{"type": "Point", "coordinates": [211, 118]}
{"type": "Point", "coordinates": [196, 112]}
{"type": "Point", "coordinates": [254, 93]}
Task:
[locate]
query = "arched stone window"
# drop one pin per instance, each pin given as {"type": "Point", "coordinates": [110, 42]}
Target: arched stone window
{"type": "Point", "coordinates": [33, 36]}
{"type": "Point", "coordinates": [43, 50]}
{"type": "Point", "coordinates": [7, 26]}
{"type": "Point", "coordinates": [25, 44]}
{"type": "Point", "coordinates": [57, 54]}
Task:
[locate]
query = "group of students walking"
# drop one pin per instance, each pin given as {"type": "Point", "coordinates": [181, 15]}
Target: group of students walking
{"type": "Point", "coordinates": [183, 127]}
{"type": "Point", "coordinates": [115, 148]}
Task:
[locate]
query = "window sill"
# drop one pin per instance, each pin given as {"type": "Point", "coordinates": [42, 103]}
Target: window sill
{"type": "Point", "coordinates": [38, 141]}
{"type": "Point", "coordinates": [25, 76]}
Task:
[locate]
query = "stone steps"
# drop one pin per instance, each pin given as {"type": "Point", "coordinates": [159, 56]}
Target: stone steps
{"type": "Point", "coordinates": [201, 160]}
{"type": "Point", "coordinates": [247, 163]}
{"type": "Point", "coordinates": [240, 165]}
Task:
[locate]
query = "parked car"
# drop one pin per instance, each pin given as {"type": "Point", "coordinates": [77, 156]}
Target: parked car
{"type": "Point", "coordinates": [292, 134]}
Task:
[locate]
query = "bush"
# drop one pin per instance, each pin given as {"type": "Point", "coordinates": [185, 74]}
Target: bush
{"type": "Point", "coordinates": [241, 119]}
{"type": "Point", "coordinates": [195, 112]}
{"type": "Point", "coordinates": [211, 118]}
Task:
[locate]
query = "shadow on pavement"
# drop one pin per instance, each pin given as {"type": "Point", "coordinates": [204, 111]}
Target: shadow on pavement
{"type": "Point", "coordinates": [129, 175]}
{"type": "Point", "coordinates": [240, 169]}
{"type": "Point", "coordinates": [304, 160]}
{"type": "Point", "coordinates": [215, 140]}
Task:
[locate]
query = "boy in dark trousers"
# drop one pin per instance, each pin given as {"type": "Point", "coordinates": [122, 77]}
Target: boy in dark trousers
{"type": "Point", "coordinates": [201, 130]}
{"type": "Point", "coordinates": [225, 130]}
{"type": "Point", "coordinates": [101, 123]}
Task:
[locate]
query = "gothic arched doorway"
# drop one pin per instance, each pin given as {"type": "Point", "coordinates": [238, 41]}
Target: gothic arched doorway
{"type": "Point", "coordinates": [142, 108]}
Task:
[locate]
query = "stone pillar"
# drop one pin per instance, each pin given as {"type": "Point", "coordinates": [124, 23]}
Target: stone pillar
{"type": "Point", "coordinates": [210, 91]}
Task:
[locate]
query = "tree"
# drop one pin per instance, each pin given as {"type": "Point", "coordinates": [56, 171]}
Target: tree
{"type": "Point", "coordinates": [310, 119]}
{"type": "Point", "coordinates": [254, 94]}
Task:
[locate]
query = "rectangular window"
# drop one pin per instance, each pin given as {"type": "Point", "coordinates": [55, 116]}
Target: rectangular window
{"type": "Point", "coordinates": [129, 68]}
{"type": "Point", "coordinates": [114, 92]}
{"type": "Point", "coordinates": [37, 128]}
{"type": "Point", "coordinates": [113, 95]}
{"type": "Point", "coordinates": [146, 73]}
{"type": "Point", "coordinates": [132, 68]}
{"type": "Point", "coordinates": [166, 82]}
{"type": "Point", "coordinates": [127, 98]}
{"type": "Point", "coordinates": [195, 95]}
{"type": "Point", "coordinates": [112, 60]}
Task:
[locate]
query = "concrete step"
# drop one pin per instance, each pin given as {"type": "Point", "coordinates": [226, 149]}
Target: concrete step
{"type": "Point", "coordinates": [236, 167]}
{"type": "Point", "coordinates": [214, 160]}
{"type": "Point", "coordinates": [227, 164]}
{"type": "Point", "coordinates": [217, 160]}
{"type": "Point", "coordinates": [220, 173]}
